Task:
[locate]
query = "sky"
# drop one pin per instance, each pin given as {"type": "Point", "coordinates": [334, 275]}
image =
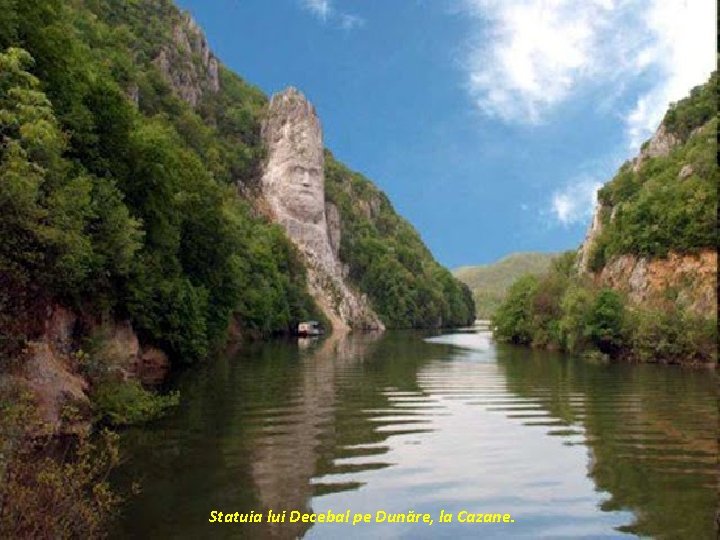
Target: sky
{"type": "Point", "coordinates": [490, 124]}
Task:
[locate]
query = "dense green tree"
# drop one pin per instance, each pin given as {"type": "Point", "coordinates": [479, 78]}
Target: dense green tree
{"type": "Point", "coordinates": [669, 203]}
{"type": "Point", "coordinates": [43, 202]}
{"type": "Point", "coordinates": [604, 326]}
{"type": "Point", "coordinates": [514, 318]}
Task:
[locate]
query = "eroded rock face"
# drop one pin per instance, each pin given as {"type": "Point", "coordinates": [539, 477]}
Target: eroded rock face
{"type": "Point", "coordinates": [120, 349]}
{"type": "Point", "coordinates": [293, 184]}
{"type": "Point", "coordinates": [188, 65]}
{"type": "Point", "coordinates": [50, 370]}
{"type": "Point", "coordinates": [660, 145]}
{"type": "Point", "coordinates": [334, 231]}
{"type": "Point", "coordinates": [686, 280]}
{"type": "Point", "coordinates": [594, 231]}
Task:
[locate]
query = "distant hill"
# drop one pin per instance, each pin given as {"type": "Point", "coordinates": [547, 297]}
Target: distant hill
{"type": "Point", "coordinates": [489, 282]}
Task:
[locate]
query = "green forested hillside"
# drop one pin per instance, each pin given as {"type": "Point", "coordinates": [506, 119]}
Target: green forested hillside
{"type": "Point", "coordinates": [129, 168]}
{"type": "Point", "coordinates": [387, 259]}
{"type": "Point", "coordinates": [119, 198]}
{"type": "Point", "coordinates": [489, 282]}
{"type": "Point", "coordinates": [670, 202]}
{"type": "Point", "coordinates": [123, 209]}
{"type": "Point", "coordinates": [653, 207]}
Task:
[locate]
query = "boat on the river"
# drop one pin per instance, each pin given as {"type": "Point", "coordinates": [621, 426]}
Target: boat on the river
{"type": "Point", "coordinates": [310, 328]}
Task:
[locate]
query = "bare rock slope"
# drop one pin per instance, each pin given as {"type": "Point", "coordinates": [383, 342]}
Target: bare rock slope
{"type": "Point", "coordinates": [187, 64]}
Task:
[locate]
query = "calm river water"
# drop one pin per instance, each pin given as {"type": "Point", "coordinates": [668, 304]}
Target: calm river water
{"type": "Point", "coordinates": [407, 421]}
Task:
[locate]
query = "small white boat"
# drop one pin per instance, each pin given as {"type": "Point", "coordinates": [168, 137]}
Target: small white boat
{"type": "Point", "coordinates": [310, 328]}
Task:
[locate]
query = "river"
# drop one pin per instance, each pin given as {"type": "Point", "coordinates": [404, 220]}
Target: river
{"type": "Point", "coordinates": [410, 421]}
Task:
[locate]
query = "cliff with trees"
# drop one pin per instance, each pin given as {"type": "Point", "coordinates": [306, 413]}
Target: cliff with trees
{"type": "Point", "coordinates": [136, 234]}
{"type": "Point", "coordinates": [643, 284]}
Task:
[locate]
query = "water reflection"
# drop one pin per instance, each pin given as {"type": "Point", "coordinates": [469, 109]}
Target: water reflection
{"type": "Point", "coordinates": [291, 438]}
{"type": "Point", "coordinates": [455, 422]}
{"type": "Point", "coordinates": [651, 434]}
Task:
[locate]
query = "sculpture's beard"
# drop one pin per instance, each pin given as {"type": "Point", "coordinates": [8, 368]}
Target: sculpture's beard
{"type": "Point", "coordinates": [304, 207]}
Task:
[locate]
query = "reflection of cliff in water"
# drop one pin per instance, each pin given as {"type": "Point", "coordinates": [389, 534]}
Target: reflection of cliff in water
{"type": "Point", "coordinates": [353, 392]}
{"type": "Point", "coordinates": [287, 446]}
{"type": "Point", "coordinates": [271, 427]}
{"type": "Point", "coordinates": [651, 432]}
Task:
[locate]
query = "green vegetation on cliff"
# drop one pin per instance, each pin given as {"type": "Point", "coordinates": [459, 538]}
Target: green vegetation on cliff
{"type": "Point", "coordinates": [564, 311]}
{"type": "Point", "coordinates": [129, 168]}
{"type": "Point", "coordinates": [131, 210]}
{"type": "Point", "coordinates": [670, 202]}
{"type": "Point", "coordinates": [489, 282]}
{"type": "Point", "coordinates": [387, 259]}
{"type": "Point", "coordinates": [119, 197]}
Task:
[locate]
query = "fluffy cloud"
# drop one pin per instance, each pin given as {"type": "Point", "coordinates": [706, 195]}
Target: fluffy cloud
{"type": "Point", "coordinates": [575, 202]}
{"type": "Point", "coordinates": [326, 11]}
{"type": "Point", "coordinates": [320, 8]}
{"type": "Point", "coordinates": [530, 55]}
{"type": "Point", "coordinates": [681, 49]}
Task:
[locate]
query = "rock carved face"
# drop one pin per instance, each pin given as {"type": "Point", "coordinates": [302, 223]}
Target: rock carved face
{"type": "Point", "coordinates": [302, 193]}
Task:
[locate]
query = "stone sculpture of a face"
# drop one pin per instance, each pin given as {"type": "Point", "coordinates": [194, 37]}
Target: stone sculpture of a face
{"type": "Point", "coordinates": [302, 194]}
{"type": "Point", "coordinates": [294, 174]}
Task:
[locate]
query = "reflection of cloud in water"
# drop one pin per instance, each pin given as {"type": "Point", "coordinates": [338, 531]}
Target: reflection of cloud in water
{"type": "Point", "coordinates": [470, 450]}
{"type": "Point", "coordinates": [480, 341]}
{"type": "Point", "coordinates": [476, 346]}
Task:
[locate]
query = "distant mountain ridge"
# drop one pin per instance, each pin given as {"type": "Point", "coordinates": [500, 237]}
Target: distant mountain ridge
{"type": "Point", "coordinates": [489, 282]}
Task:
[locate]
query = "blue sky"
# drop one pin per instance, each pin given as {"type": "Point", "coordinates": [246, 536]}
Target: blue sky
{"type": "Point", "coordinates": [489, 123]}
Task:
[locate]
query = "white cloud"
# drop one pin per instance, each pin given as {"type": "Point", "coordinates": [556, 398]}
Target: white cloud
{"type": "Point", "coordinates": [575, 202]}
{"type": "Point", "coordinates": [529, 53]}
{"type": "Point", "coordinates": [348, 22]}
{"type": "Point", "coordinates": [326, 11]}
{"type": "Point", "coordinates": [529, 56]}
{"type": "Point", "coordinates": [682, 50]}
{"type": "Point", "coordinates": [320, 8]}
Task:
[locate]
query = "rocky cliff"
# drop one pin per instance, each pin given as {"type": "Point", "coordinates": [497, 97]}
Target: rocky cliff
{"type": "Point", "coordinates": [187, 64]}
{"type": "Point", "coordinates": [52, 368]}
{"type": "Point", "coordinates": [293, 183]}
{"type": "Point", "coordinates": [652, 234]}
{"type": "Point", "coordinates": [593, 233]}
{"type": "Point", "coordinates": [688, 281]}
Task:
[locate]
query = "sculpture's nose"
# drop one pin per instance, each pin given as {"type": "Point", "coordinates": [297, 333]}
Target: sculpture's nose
{"type": "Point", "coordinates": [306, 179]}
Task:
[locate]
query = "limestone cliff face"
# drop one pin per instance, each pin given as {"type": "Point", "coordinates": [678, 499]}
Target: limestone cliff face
{"type": "Point", "coordinates": [293, 183]}
{"type": "Point", "coordinates": [50, 370]}
{"type": "Point", "coordinates": [187, 63]}
{"type": "Point", "coordinates": [659, 145]}
{"type": "Point", "coordinates": [596, 226]}
{"type": "Point", "coordinates": [686, 280]}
